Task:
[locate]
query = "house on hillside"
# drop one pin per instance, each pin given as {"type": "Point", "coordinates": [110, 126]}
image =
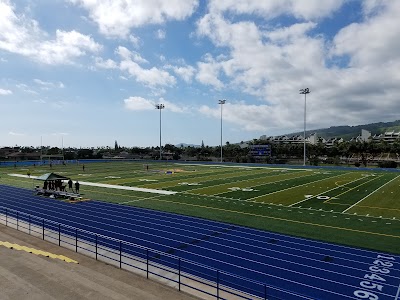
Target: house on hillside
{"type": "Point", "coordinates": [388, 137]}
{"type": "Point", "coordinates": [333, 142]}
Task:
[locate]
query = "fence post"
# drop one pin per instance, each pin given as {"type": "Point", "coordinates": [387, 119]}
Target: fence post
{"type": "Point", "coordinates": [29, 224]}
{"type": "Point", "coordinates": [96, 246]}
{"type": "Point", "coordinates": [179, 274]}
{"type": "Point", "coordinates": [43, 228]}
{"type": "Point", "coordinates": [147, 263]}
{"type": "Point", "coordinates": [265, 291]}
{"type": "Point", "coordinates": [76, 239]}
{"type": "Point", "coordinates": [17, 220]}
{"type": "Point", "coordinates": [217, 284]}
{"type": "Point", "coordinates": [120, 254]}
{"type": "Point", "coordinates": [59, 234]}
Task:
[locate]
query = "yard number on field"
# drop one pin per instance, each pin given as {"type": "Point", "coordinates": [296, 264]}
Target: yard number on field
{"type": "Point", "coordinates": [318, 197]}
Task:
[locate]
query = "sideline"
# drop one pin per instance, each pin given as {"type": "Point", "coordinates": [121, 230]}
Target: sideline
{"type": "Point", "coordinates": [111, 186]}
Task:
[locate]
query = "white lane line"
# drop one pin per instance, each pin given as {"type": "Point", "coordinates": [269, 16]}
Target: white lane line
{"type": "Point", "coordinates": [370, 194]}
{"type": "Point", "coordinates": [249, 251]}
{"type": "Point", "coordinates": [398, 293]}
{"type": "Point", "coordinates": [112, 186]}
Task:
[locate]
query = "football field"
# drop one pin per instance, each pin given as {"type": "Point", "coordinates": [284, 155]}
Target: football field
{"type": "Point", "coordinates": [352, 207]}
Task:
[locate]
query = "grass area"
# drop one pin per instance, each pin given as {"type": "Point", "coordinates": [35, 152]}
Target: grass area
{"type": "Point", "coordinates": [357, 208]}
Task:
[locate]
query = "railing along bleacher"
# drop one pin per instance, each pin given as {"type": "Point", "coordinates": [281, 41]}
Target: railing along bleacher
{"type": "Point", "coordinates": [185, 275]}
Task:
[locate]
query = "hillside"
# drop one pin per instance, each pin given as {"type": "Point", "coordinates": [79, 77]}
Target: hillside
{"type": "Point", "coordinates": [347, 132]}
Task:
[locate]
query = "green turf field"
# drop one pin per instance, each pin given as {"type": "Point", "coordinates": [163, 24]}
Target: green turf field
{"type": "Point", "coordinates": [359, 208]}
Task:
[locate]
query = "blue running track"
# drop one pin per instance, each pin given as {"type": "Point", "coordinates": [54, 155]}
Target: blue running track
{"type": "Point", "coordinates": [308, 268]}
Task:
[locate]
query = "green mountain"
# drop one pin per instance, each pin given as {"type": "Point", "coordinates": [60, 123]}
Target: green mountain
{"type": "Point", "coordinates": [347, 132]}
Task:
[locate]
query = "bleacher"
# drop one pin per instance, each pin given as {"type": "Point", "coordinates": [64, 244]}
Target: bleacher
{"type": "Point", "coordinates": [57, 194]}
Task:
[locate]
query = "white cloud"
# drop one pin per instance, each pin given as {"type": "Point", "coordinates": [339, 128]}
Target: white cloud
{"type": "Point", "coordinates": [129, 63]}
{"type": "Point", "coordinates": [126, 54]}
{"type": "Point", "coordinates": [160, 34]}
{"type": "Point", "coordinates": [140, 104]}
{"type": "Point", "coordinates": [209, 71]}
{"type": "Point", "coordinates": [16, 133]}
{"type": "Point", "coordinates": [116, 18]}
{"type": "Point", "coordinates": [3, 59]}
{"type": "Point", "coordinates": [371, 42]}
{"type": "Point", "coordinates": [60, 105]}
{"type": "Point", "coordinates": [371, 7]}
{"type": "Point", "coordinates": [290, 33]}
{"type": "Point", "coordinates": [138, 58]}
{"type": "Point", "coordinates": [5, 92]}
{"type": "Point", "coordinates": [21, 35]}
{"type": "Point", "coordinates": [105, 64]}
{"type": "Point", "coordinates": [172, 106]}
{"type": "Point", "coordinates": [304, 9]}
{"type": "Point", "coordinates": [250, 117]}
{"type": "Point", "coordinates": [274, 63]}
{"type": "Point", "coordinates": [66, 47]}
{"type": "Point", "coordinates": [49, 84]}
{"type": "Point", "coordinates": [185, 72]}
{"type": "Point", "coordinates": [151, 77]}
{"type": "Point", "coordinates": [134, 40]}
{"type": "Point", "coordinates": [25, 88]}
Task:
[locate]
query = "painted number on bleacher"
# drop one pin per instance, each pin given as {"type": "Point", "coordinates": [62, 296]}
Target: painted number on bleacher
{"type": "Point", "coordinates": [379, 268]}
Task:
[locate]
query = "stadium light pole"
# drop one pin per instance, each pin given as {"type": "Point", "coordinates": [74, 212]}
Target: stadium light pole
{"type": "Point", "coordinates": [160, 107]}
{"type": "Point", "coordinates": [305, 92]}
{"type": "Point", "coordinates": [41, 150]}
{"type": "Point", "coordinates": [62, 147]}
{"type": "Point", "coordinates": [221, 102]}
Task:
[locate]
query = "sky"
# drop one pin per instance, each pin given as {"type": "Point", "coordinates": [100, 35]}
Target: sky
{"type": "Point", "coordinates": [87, 73]}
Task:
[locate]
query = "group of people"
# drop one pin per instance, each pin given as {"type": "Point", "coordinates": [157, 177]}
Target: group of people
{"type": "Point", "coordinates": [57, 185]}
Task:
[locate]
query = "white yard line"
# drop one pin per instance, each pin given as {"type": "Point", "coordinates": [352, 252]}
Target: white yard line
{"type": "Point", "coordinates": [339, 186]}
{"type": "Point", "coordinates": [292, 187]}
{"type": "Point", "coordinates": [243, 181]}
{"type": "Point", "coordinates": [111, 186]}
{"type": "Point", "coordinates": [250, 167]}
{"type": "Point", "coordinates": [369, 194]}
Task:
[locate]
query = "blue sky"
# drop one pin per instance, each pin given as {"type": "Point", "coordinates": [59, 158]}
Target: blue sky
{"type": "Point", "coordinates": [89, 72]}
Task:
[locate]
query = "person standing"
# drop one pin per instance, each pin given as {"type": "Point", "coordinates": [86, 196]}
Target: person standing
{"type": "Point", "coordinates": [70, 185]}
{"type": "Point", "coordinates": [77, 187]}
{"type": "Point", "coordinates": [83, 168]}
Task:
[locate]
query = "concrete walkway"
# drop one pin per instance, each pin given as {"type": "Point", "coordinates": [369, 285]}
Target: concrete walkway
{"type": "Point", "coordinates": [25, 275]}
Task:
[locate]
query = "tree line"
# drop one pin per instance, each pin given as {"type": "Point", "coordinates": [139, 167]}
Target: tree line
{"type": "Point", "coordinates": [357, 153]}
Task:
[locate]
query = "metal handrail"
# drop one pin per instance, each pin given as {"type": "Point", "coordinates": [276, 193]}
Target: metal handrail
{"type": "Point", "coordinates": [225, 288]}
